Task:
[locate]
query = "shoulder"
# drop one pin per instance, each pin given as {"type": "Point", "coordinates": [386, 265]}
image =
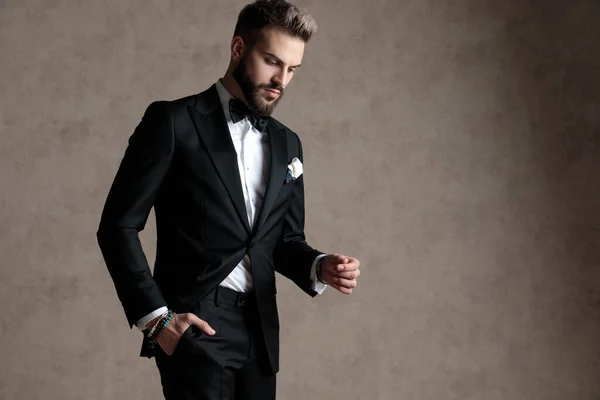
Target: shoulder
{"type": "Point", "coordinates": [183, 101]}
{"type": "Point", "coordinates": [169, 107]}
{"type": "Point", "coordinates": [175, 107]}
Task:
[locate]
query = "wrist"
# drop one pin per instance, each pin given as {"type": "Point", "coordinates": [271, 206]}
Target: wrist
{"type": "Point", "coordinates": [160, 325]}
{"type": "Point", "coordinates": [318, 271]}
{"type": "Point", "coordinates": [150, 324]}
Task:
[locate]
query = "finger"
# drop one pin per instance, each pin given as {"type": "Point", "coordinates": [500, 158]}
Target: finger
{"type": "Point", "coordinates": [339, 258]}
{"type": "Point", "coordinates": [348, 267]}
{"type": "Point", "coordinates": [348, 283]}
{"type": "Point", "coordinates": [347, 274]}
{"type": "Point", "coordinates": [333, 265]}
{"type": "Point", "coordinates": [348, 264]}
{"type": "Point", "coordinates": [341, 289]}
{"type": "Point", "coordinates": [200, 323]}
{"type": "Point", "coordinates": [353, 260]}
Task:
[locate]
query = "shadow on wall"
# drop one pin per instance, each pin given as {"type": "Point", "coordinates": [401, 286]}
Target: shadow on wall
{"type": "Point", "coordinates": [552, 51]}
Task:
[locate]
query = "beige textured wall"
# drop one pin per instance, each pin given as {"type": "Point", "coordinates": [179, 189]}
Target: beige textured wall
{"type": "Point", "coordinates": [451, 145]}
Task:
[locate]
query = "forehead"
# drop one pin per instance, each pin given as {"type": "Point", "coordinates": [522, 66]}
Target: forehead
{"type": "Point", "coordinates": [287, 48]}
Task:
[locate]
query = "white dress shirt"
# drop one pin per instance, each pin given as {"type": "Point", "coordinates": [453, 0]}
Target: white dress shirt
{"type": "Point", "coordinates": [252, 148]}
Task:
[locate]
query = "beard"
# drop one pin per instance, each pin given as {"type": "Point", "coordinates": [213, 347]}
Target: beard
{"type": "Point", "coordinates": [251, 90]}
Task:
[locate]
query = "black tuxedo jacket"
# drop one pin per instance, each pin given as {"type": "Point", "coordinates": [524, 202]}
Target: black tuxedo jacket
{"type": "Point", "coordinates": [182, 161]}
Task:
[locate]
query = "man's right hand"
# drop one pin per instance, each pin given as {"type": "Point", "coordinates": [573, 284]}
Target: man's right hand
{"type": "Point", "coordinates": [169, 338]}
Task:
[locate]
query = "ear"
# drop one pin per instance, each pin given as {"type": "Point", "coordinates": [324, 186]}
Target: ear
{"type": "Point", "coordinates": [238, 47]}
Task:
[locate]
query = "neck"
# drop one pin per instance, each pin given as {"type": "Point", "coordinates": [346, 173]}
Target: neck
{"type": "Point", "coordinates": [231, 85]}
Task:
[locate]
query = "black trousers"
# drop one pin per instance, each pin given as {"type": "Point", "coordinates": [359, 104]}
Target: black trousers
{"type": "Point", "coordinates": [230, 365]}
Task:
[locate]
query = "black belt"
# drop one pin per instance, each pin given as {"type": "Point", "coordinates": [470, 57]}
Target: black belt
{"type": "Point", "coordinates": [223, 295]}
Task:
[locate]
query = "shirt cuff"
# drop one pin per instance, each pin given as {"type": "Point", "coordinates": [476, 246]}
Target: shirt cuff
{"type": "Point", "coordinates": [141, 324]}
{"type": "Point", "coordinates": [316, 285]}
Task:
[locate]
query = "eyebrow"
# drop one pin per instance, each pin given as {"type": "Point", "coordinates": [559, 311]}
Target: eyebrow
{"type": "Point", "coordinates": [280, 60]}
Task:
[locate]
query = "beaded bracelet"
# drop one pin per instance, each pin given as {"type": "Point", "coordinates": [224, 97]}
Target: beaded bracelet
{"type": "Point", "coordinates": [157, 324]}
{"type": "Point", "coordinates": [157, 333]}
{"type": "Point", "coordinates": [163, 315]}
{"type": "Point", "coordinates": [161, 325]}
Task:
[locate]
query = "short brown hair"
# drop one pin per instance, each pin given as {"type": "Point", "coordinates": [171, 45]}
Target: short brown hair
{"type": "Point", "coordinates": [295, 21]}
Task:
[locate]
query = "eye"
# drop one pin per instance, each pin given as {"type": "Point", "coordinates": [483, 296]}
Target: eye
{"type": "Point", "coordinates": [271, 62]}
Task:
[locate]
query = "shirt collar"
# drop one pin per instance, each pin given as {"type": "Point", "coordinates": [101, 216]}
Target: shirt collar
{"type": "Point", "coordinates": [224, 97]}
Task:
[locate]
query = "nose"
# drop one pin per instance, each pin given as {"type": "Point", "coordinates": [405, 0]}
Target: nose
{"type": "Point", "coordinates": [281, 78]}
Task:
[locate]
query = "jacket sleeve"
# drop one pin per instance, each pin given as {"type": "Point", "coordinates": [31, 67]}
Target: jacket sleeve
{"type": "Point", "coordinates": [292, 256]}
{"type": "Point", "coordinates": [141, 173]}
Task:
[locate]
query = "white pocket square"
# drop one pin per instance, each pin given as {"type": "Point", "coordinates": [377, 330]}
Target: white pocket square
{"type": "Point", "coordinates": [294, 170]}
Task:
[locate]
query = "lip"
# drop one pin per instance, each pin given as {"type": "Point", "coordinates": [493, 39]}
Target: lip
{"type": "Point", "coordinates": [272, 92]}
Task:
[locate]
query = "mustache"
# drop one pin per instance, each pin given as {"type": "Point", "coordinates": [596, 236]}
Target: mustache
{"type": "Point", "coordinates": [272, 87]}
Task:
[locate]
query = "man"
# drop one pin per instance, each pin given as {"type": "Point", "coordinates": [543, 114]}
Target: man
{"type": "Point", "coordinates": [225, 180]}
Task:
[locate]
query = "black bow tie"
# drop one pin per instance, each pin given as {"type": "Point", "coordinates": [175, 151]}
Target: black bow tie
{"type": "Point", "coordinates": [239, 111]}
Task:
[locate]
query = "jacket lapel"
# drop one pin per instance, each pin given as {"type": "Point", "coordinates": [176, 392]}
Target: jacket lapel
{"type": "Point", "coordinates": [278, 154]}
{"type": "Point", "coordinates": [211, 126]}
